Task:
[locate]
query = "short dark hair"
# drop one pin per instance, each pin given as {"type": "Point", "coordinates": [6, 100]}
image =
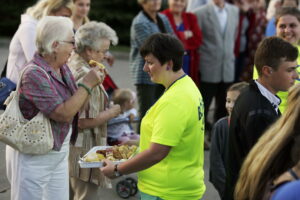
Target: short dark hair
{"type": "Point", "coordinates": [287, 11]}
{"type": "Point", "coordinates": [272, 51]}
{"type": "Point", "coordinates": [165, 48]}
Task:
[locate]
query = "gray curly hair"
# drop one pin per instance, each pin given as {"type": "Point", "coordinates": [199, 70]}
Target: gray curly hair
{"type": "Point", "coordinates": [91, 34]}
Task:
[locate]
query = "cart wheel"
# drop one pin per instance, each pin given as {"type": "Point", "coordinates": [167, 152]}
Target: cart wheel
{"type": "Point", "coordinates": [123, 189]}
{"type": "Point", "coordinates": [133, 184]}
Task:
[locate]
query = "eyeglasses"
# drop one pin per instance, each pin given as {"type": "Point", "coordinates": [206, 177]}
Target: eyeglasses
{"type": "Point", "coordinates": [105, 52]}
{"type": "Point", "coordinates": [70, 42]}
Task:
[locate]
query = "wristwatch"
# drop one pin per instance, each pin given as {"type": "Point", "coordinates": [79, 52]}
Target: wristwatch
{"type": "Point", "coordinates": [116, 171]}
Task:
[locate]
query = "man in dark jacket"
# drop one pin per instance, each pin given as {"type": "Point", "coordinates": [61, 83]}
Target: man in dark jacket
{"type": "Point", "coordinates": [257, 107]}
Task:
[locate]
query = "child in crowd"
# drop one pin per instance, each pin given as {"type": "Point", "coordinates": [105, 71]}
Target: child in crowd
{"type": "Point", "coordinates": [220, 131]}
{"type": "Point", "coordinates": [119, 129]}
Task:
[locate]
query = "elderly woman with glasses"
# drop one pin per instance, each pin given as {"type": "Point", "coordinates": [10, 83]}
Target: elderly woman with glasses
{"type": "Point", "coordinates": [92, 43]}
{"type": "Point", "coordinates": [37, 177]}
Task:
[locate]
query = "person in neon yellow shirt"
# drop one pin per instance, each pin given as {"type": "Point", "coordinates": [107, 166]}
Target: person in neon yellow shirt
{"type": "Point", "coordinates": [170, 162]}
{"type": "Point", "coordinates": [287, 28]}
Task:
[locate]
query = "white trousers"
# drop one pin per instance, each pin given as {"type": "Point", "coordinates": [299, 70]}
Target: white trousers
{"type": "Point", "coordinates": [39, 177]}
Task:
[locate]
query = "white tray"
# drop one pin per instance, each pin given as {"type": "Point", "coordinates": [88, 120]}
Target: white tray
{"type": "Point", "coordinates": [83, 164]}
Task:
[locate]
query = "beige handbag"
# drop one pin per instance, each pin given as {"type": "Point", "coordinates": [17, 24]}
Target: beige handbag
{"type": "Point", "coordinates": [27, 136]}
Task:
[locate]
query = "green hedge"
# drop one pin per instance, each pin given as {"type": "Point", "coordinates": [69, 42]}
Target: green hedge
{"type": "Point", "coordinates": [10, 11]}
{"type": "Point", "coordinates": [116, 13]}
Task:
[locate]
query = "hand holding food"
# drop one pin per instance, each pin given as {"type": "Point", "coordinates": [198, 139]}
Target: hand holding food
{"type": "Point", "coordinates": [95, 63]}
{"type": "Point", "coordinates": [92, 78]}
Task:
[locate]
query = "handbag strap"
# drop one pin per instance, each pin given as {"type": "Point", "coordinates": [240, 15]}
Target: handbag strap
{"type": "Point", "coordinates": [23, 71]}
{"type": "Point", "coordinates": [14, 96]}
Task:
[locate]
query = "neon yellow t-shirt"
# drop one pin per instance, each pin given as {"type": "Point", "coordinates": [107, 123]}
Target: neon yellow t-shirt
{"type": "Point", "coordinates": [282, 95]}
{"type": "Point", "coordinates": [176, 120]}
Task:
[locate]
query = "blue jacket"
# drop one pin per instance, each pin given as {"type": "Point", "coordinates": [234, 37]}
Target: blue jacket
{"type": "Point", "coordinates": [141, 28]}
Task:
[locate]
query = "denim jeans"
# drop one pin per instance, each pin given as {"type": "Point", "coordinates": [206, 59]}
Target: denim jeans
{"type": "Point", "coordinates": [145, 196]}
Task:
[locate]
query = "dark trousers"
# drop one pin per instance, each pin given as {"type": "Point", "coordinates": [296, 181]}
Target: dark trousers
{"type": "Point", "coordinates": [217, 90]}
{"type": "Point", "coordinates": [239, 66]}
{"type": "Point", "coordinates": [147, 95]}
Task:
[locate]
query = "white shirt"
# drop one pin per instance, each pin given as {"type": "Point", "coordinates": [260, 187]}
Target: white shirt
{"type": "Point", "coordinates": [221, 15]}
{"type": "Point", "coordinates": [275, 101]}
{"type": "Point", "coordinates": [22, 47]}
{"type": "Point", "coordinates": [120, 124]}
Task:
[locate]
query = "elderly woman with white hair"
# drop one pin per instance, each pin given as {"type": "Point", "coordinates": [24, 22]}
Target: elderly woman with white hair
{"type": "Point", "coordinates": [92, 43]}
{"type": "Point", "coordinates": [56, 95]}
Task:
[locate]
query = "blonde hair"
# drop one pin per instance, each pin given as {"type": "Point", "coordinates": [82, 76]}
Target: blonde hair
{"type": "Point", "coordinates": [46, 7]}
{"type": "Point", "coordinates": [275, 152]}
{"type": "Point", "coordinates": [85, 20]}
{"type": "Point", "coordinates": [121, 96]}
{"type": "Point", "coordinates": [91, 35]}
{"type": "Point", "coordinates": [47, 29]}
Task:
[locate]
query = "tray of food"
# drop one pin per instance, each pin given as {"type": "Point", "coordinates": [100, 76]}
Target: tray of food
{"type": "Point", "coordinates": [117, 154]}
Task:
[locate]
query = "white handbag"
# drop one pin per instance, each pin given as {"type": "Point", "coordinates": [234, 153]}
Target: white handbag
{"type": "Point", "coordinates": [27, 136]}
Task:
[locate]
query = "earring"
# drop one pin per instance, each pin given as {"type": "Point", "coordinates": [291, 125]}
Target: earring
{"type": "Point", "coordinates": [168, 68]}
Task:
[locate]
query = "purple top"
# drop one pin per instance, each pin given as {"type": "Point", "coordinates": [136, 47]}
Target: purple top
{"type": "Point", "coordinates": [39, 93]}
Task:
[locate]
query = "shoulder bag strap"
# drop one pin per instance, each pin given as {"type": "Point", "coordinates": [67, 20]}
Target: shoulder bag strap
{"type": "Point", "coordinates": [23, 71]}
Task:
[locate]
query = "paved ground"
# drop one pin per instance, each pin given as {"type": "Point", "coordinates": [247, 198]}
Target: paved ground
{"type": "Point", "coordinates": [120, 74]}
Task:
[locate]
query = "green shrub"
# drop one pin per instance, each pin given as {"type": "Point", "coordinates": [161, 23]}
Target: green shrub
{"type": "Point", "coordinates": [116, 13]}
{"type": "Point", "coordinates": [10, 12]}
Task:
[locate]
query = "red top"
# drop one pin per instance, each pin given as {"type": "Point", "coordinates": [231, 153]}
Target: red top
{"type": "Point", "coordinates": [192, 44]}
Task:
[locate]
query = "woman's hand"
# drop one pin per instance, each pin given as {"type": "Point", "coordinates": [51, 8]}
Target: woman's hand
{"type": "Point", "coordinates": [109, 59]}
{"type": "Point", "coordinates": [102, 118]}
{"type": "Point", "coordinates": [188, 34]}
{"type": "Point", "coordinates": [108, 169]}
{"type": "Point", "coordinates": [141, 161]}
{"type": "Point", "coordinates": [93, 78]}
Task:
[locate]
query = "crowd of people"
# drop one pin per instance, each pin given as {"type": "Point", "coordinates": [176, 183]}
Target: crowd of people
{"type": "Point", "coordinates": [242, 55]}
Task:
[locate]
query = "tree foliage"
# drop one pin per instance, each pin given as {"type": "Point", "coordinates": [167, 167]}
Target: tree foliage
{"type": "Point", "coordinates": [10, 12]}
{"type": "Point", "coordinates": [116, 13]}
